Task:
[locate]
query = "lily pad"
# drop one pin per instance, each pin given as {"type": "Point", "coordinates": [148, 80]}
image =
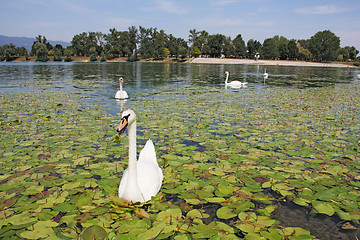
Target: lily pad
{"type": "Point", "coordinates": [94, 232]}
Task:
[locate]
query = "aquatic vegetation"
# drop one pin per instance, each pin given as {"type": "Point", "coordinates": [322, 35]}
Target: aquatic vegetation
{"type": "Point", "coordinates": [229, 159]}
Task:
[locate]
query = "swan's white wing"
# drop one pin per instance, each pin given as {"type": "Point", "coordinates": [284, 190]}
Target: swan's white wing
{"type": "Point", "coordinates": [150, 178]}
{"type": "Point", "coordinates": [121, 95]}
{"type": "Point", "coordinates": [125, 95]}
{"type": "Point", "coordinates": [235, 84]}
{"type": "Point", "coordinates": [148, 152]}
{"type": "Point", "coordinates": [118, 94]}
{"type": "Point", "coordinates": [150, 175]}
{"type": "Point", "coordinates": [123, 183]}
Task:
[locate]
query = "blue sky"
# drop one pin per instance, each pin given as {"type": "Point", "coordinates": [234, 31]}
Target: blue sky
{"type": "Point", "coordinates": [256, 19]}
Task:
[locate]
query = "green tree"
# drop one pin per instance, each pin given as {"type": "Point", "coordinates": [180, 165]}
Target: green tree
{"type": "Point", "coordinates": [216, 45]}
{"type": "Point", "coordinates": [324, 46]}
{"type": "Point", "coordinates": [182, 52]}
{"type": "Point", "coordinates": [304, 53]}
{"type": "Point", "coordinates": [68, 53]}
{"type": "Point", "coordinates": [166, 52]}
{"type": "Point", "coordinates": [293, 50]}
{"type": "Point", "coordinates": [83, 42]}
{"type": "Point", "coordinates": [118, 44]}
{"type": "Point", "coordinates": [193, 36]}
{"type": "Point", "coordinates": [146, 48]}
{"type": "Point", "coordinates": [159, 39]}
{"type": "Point", "coordinates": [352, 52]}
{"type": "Point", "coordinates": [239, 46]}
{"type": "Point", "coordinates": [199, 39]}
{"type": "Point", "coordinates": [43, 40]}
{"type": "Point", "coordinates": [253, 47]}
{"type": "Point", "coordinates": [195, 52]}
{"type": "Point", "coordinates": [282, 44]}
{"type": "Point", "coordinates": [80, 44]}
{"type": "Point", "coordinates": [270, 49]}
{"type": "Point", "coordinates": [229, 50]}
{"type": "Point", "coordinates": [133, 32]}
{"type": "Point", "coordinates": [58, 52]}
{"type": "Point", "coordinates": [10, 52]}
{"type": "Point", "coordinates": [21, 51]}
{"type": "Point", "coordinates": [343, 54]}
{"type": "Point", "coordinates": [41, 52]}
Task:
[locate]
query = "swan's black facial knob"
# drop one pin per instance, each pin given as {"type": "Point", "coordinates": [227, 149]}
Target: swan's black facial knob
{"type": "Point", "coordinates": [123, 124]}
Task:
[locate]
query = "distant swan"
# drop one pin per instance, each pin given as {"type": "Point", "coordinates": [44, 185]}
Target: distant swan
{"type": "Point", "coordinates": [233, 84]}
{"type": "Point", "coordinates": [143, 178]}
{"type": "Point", "coordinates": [266, 75]}
{"type": "Point", "coordinates": [121, 94]}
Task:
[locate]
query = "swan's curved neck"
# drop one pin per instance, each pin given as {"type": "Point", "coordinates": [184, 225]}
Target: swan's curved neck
{"type": "Point", "coordinates": [132, 154]}
{"type": "Point", "coordinates": [120, 86]}
{"type": "Point", "coordinates": [227, 77]}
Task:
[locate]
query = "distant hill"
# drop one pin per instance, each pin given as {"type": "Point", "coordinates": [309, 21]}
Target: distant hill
{"type": "Point", "coordinates": [27, 42]}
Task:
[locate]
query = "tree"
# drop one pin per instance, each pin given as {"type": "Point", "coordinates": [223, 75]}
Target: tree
{"type": "Point", "coordinates": [182, 52]}
{"type": "Point", "coordinates": [159, 39]}
{"type": "Point", "coordinates": [68, 53]}
{"type": "Point", "coordinates": [239, 46]}
{"type": "Point", "coordinates": [43, 40]}
{"type": "Point", "coordinates": [228, 50]}
{"type": "Point", "coordinates": [199, 39]}
{"type": "Point", "coordinates": [80, 44]}
{"type": "Point", "coordinates": [41, 52]}
{"type": "Point", "coordinates": [216, 45]}
{"type": "Point", "coordinates": [133, 32]}
{"type": "Point", "coordinates": [304, 53]}
{"type": "Point", "coordinates": [269, 49]}
{"type": "Point", "coordinates": [293, 50]}
{"type": "Point", "coordinates": [166, 52]}
{"type": "Point", "coordinates": [282, 44]}
{"type": "Point", "coordinates": [10, 52]}
{"type": "Point", "coordinates": [253, 47]}
{"type": "Point", "coordinates": [58, 52]}
{"type": "Point", "coordinates": [324, 46]}
{"type": "Point", "coordinates": [349, 53]}
{"type": "Point", "coordinates": [195, 52]}
{"type": "Point", "coordinates": [146, 47]}
{"type": "Point", "coordinates": [193, 38]}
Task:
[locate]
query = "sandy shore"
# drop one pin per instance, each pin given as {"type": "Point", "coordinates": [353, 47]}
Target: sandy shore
{"type": "Point", "coordinates": [265, 62]}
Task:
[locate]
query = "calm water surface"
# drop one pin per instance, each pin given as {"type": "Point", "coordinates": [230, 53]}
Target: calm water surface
{"type": "Point", "coordinates": [100, 81]}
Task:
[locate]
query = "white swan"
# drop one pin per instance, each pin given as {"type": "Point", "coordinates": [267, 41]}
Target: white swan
{"type": "Point", "coordinates": [143, 178]}
{"type": "Point", "coordinates": [266, 75]}
{"type": "Point", "coordinates": [121, 94]}
{"type": "Point", "coordinates": [233, 84]}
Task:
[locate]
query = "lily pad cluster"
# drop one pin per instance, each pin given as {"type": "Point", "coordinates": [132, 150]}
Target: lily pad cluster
{"type": "Point", "coordinates": [229, 159]}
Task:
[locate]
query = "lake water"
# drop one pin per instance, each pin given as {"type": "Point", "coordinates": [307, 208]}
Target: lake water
{"type": "Point", "coordinates": [285, 138]}
{"type": "Point", "coordinates": [101, 80]}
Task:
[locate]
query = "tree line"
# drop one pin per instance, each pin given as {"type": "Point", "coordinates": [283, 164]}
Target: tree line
{"type": "Point", "coordinates": [141, 42]}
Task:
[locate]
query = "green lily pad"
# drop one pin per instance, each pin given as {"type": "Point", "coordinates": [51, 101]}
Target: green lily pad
{"type": "Point", "coordinates": [324, 208]}
{"type": "Point", "coordinates": [225, 213]}
{"type": "Point", "coordinates": [94, 232]}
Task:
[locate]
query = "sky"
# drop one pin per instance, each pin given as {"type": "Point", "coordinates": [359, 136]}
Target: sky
{"type": "Point", "coordinates": [253, 19]}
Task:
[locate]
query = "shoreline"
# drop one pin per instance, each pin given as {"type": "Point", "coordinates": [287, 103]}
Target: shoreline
{"type": "Point", "coordinates": [200, 60]}
{"type": "Point", "coordinates": [267, 62]}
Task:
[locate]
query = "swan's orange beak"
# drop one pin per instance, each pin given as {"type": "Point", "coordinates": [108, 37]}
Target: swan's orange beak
{"type": "Point", "coordinates": [123, 125]}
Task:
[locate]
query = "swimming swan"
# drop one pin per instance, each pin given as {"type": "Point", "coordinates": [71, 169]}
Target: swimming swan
{"type": "Point", "coordinates": [121, 94]}
{"type": "Point", "coordinates": [233, 84]}
{"type": "Point", "coordinates": [143, 178]}
{"type": "Point", "coordinates": [266, 75]}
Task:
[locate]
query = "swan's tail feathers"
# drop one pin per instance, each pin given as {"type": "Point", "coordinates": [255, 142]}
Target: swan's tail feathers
{"type": "Point", "coordinates": [148, 152]}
